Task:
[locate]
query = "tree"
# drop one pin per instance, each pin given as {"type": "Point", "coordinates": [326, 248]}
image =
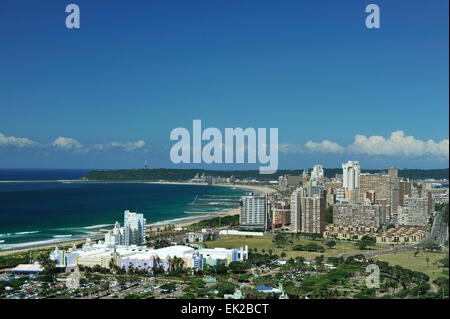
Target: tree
{"type": "Point", "coordinates": [48, 264]}
{"type": "Point", "coordinates": [330, 243]}
{"type": "Point", "coordinates": [283, 254]}
{"type": "Point", "coordinates": [220, 269]}
{"type": "Point", "coordinates": [369, 239]}
{"type": "Point", "coordinates": [444, 261]}
{"type": "Point", "coordinates": [319, 259]}
{"type": "Point", "coordinates": [238, 267]}
{"type": "Point", "coordinates": [362, 244]}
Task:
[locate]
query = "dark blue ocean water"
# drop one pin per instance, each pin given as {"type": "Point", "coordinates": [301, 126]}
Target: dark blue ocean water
{"type": "Point", "coordinates": [56, 211]}
{"type": "Point", "coordinates": [41, 174]}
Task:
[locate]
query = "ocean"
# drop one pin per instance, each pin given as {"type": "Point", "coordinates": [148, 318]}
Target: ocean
{"type": "Point", "coordinates": [52, 212]}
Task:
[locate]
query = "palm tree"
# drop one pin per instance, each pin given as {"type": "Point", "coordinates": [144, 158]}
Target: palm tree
{"type": "Point", "coordinates": [180, 263]}
{"type": "Point", "coordinates": [170, 260]}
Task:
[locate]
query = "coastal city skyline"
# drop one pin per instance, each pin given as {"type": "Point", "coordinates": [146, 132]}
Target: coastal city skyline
{"type": "Point", "coordinates": [312, 70]}
{"type": "Point", "coordinates": [186, 236]}
{"type": "Point", "coordinates": [224, 154]}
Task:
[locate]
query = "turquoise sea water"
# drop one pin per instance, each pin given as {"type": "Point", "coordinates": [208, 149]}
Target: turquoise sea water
{"type": "Point", "coordinates": [38, 213]}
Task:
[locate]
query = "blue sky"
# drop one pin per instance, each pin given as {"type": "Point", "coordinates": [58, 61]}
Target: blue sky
{"type": "Point", "coordinates": [107, 95]}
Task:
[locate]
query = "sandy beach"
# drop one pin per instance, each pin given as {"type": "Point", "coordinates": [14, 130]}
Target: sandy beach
{"type": "Point", "coordinates": [49, 246]}
{"type": "Point", "coordinates": [181, 224]}
{"type": "Point", "coordinates": [262, 189]}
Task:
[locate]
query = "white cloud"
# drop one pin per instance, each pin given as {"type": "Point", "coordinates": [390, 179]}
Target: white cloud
{"type": "Point", "coordinates": [324, 147]}
{"type": "Point", "coordinates": [71, 144]}
{"type": "Point", "coordinates": [398, 144]}
{"type": "Point", "coordinates": [67, 143]}
{"type": "Point", "coordinates": [16, 141]}
{"type": "Point", "coordinates": [129, 146]}
{"type": "Point", "coordinates": [290, 148]}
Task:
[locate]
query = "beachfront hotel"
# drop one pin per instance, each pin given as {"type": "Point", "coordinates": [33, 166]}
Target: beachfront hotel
{"type": "Point", "coordinates": [143, 258]}
{"type": "Point", "coordinates": [132, 233]}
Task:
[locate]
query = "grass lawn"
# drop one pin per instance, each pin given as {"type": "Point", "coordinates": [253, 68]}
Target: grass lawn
{"type": "Point", "coordinates": [419, 263]}
{"type": "Point", "coordinates": [265, 242]}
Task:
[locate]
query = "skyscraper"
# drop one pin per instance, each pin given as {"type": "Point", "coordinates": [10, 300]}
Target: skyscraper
{"type": "Point", "coordinates": [295, 209]}
{"type": "Point", "coordinates": [134, 225]}
{"type": "Point", "coordinates": [317, 171]}
{"type": "Point", "coordinates": [312, 215]}
{"type": "Point", "coordinates": [351, 171]}
{"type": "Point", "coordinates": [253, 213]}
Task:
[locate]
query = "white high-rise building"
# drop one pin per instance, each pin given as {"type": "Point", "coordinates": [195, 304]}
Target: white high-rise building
{"type": "Point", "coordinates": [350, 175]}
{"type": "Point", "coordinates": [253, 212]}
{"type": "Point", "coordinates": [132, 233]}
{"type": "Point", "coordinates": [115, 236]}
{"type": "Point", "coordinates": [317, 171]}
{"type": "Point", "coordinates": [134, 225]}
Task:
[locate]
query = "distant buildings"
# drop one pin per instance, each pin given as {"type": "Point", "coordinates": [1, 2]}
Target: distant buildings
{"type": "Point", "coordinates": [361, 201]}
{"type": "Point", "coordinates": [317, 172]}
{"type": "Point", "coordinates": [202, 236]}
{"type": "Point", "coordinates": [289, 181]}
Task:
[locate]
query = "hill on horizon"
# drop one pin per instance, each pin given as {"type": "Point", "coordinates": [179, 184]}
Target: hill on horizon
{"type": "Point", "coordinates": [170, 174]}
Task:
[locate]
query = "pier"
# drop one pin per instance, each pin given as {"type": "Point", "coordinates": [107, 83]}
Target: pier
{"type": "Point", "coordinates": [227, 201]}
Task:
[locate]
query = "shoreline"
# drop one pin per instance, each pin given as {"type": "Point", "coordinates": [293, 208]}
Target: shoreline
{"type": "Point", "coordinates": [177, 223]}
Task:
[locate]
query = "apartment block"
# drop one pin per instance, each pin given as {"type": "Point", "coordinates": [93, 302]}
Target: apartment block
{"type": "Point", "coordinates": [372, 215]}
{"type": "Point", "coordinates": [373, 183]}
{"type": "Point", "coordinates": [312, 215]}
{"type": "Point", "coordinates": [253, 211]}
{"type": "Point", "coordinates": [414, 212]}
{"type": "Point", "coordinates": [295, 209]}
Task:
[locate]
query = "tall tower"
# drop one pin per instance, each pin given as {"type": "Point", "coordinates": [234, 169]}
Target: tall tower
{"type": "Point", "coordinates": [317, 171]}
{"type": "Point", "coordinates": [145, 164]}
{"type": "Point", "coordinates": [350, 175]}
